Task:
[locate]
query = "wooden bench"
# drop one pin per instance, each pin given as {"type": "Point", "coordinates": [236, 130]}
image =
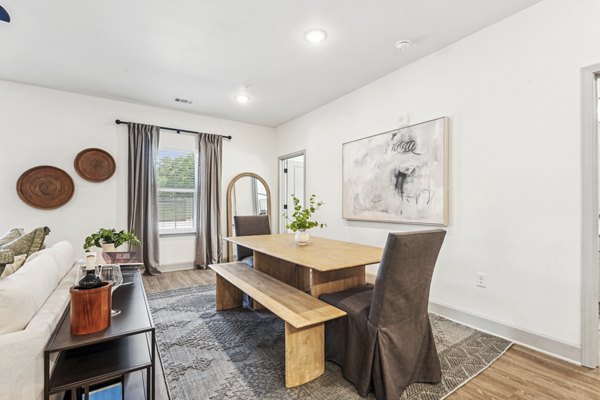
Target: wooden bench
{"type": "Point", "coordinates": [304, 316]}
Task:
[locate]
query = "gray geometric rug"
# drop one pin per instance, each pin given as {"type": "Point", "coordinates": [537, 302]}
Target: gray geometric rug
{"type": "Point", "coordinates": [239, 354]}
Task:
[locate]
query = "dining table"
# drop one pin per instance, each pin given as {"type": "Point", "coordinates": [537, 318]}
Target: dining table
{"type": "Point", "coordinates": [319, 267]}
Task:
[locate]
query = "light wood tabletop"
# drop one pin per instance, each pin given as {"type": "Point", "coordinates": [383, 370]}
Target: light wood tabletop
{"type": "Point", "coordinates": [320, 254]}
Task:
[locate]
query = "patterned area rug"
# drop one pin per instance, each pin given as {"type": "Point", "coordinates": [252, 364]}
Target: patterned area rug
{"type": "Point", "coordinates": [239, 354]}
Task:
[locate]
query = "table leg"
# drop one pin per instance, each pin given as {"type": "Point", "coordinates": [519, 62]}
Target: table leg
{"type": "Point", "coordinates": [303, 278]}
{"type": "Point", "coordinates": [46, 375]}
{"type": "Point", "coordinates": [336, 281]}
{"type": "Point", "coordinates": [304, 354]}
{"type": "Point", "coordinates": [148, 384]}
{"type": "Point", "coordinates": [227, 295]}
{"type": "Point", "coordinates": [284, 271]}
{"type": "Point", "coordinates": [153, 364]}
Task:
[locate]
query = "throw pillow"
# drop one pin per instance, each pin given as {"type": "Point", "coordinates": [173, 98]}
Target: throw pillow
{"type": "Point", "coordinates": [28, 243]}
{"type": "Point", "coordinates": [6, 257]}
{"type": "Point", "coordinates": [11, 235]}
{"type": "Point", "coordinates": [12, 268]}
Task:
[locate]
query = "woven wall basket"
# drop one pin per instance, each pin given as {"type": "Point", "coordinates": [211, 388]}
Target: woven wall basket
{"type": "Point", "coordinates": [94, 165]}
{"type": "Point", "coordinates": [45, 187]}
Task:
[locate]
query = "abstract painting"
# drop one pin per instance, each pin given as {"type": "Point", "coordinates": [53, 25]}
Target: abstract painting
{"type": "Point", "coordinates": [398, 176]}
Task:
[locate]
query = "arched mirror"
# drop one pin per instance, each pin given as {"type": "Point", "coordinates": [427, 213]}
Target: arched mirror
{"type": "Point", "coordinates": [247, 194]}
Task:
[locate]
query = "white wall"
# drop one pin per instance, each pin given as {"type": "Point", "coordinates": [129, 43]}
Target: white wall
{"type": "Point", "coordinates": [47, 127]}
{"type": "Point", "coordinates": [512, 92]}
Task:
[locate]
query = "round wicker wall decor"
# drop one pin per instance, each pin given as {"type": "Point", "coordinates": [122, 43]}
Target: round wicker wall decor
{"type": "Point", "coordinates": [45, 187]}
{"type": "Point", "coordinates": [95, 165]}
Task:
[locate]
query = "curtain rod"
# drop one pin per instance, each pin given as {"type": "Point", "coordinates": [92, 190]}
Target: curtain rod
{"type": "Point", "coordinates": [119, 122]}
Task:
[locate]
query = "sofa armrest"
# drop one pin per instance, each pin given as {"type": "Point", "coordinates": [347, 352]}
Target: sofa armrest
{"type": "Point", "coordinates": [22, 352]}
{"type": "Point", "coordinates": [22, 366]}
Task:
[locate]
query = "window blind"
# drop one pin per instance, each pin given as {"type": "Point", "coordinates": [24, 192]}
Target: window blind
{"type": "Point", "coordinates": [177, 187]}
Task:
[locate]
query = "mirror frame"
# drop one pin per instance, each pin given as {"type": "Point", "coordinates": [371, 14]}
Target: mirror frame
{"type": "Point", "coordinates": [230, 205]}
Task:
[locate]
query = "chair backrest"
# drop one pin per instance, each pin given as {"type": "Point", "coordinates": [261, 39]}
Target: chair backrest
{"type": "Point", "coordinates": [249, 225]}
{"type": "Point", "coordinates": [404, 277]}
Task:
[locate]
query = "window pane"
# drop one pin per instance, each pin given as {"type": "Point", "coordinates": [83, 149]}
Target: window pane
{"type": "Point", "coordinates": [176, 178]}
{"type": "Point", "coordinates": [176, 170]}
{"type": "Point", "coordinates": [175, 210]}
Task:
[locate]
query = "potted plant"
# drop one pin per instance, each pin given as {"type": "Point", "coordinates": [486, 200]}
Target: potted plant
{"type": "Point", "coordinates": [301, 219]}
{"type": "Point", "coordinates": [109, 239]}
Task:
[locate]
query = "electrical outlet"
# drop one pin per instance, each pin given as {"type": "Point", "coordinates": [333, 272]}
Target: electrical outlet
{"type": "Point", "coordinates": [481, 280]}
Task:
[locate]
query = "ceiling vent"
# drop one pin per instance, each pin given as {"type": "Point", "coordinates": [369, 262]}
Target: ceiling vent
{"type": "Point", "coordinates": [183, 101]}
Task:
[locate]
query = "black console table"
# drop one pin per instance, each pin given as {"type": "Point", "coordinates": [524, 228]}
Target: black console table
{"type": "Point", "coordinates": [126, 349]}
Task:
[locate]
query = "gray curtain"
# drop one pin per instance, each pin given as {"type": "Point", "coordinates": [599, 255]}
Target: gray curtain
{"type": "Point", "coordinates": [208, 224]}
{"type": "Point", "coordinates": [142, 211]}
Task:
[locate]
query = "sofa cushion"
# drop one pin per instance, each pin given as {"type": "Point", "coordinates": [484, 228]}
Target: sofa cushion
{"type": "Point", "coordinates": [11, 235]}
{"type": "Point", "coordinates": [62, 253]}
{"type": "Point", "coordinates": [28, 243]}
{"type": "Point", "coordinates": [14, 267]}
{"type": "Point", "coordinates": [23, 293]}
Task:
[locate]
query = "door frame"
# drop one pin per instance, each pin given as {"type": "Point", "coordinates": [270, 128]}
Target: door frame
{"type": "Point", "coordinates": [281, 183]}
{"type": "Point", "coordinates": [589, 237]}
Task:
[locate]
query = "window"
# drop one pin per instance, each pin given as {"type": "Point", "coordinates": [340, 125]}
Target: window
{"type": "Point", "coordinates": [177, 188]}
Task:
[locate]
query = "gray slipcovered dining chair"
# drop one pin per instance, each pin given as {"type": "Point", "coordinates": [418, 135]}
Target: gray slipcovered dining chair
{"type": "Point", "coordinates": [249, 225]}
{"type": "Point", "coordinates": [385, 343]}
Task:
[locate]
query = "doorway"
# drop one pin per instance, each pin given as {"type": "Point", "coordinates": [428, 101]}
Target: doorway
{"type": "Point", "coordinates": [597, 120]}
{"type": "Point", "coordinates": [590, 281]}
{"type": "Point", "coordinates": [292, 181]}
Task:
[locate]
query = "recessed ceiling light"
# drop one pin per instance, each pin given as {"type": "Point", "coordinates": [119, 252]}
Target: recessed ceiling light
{"type": "Point", "coordinates": [315, 35]}
{"type": "Point", "coordinates": [403, 45]}
{"type": "Point", "coordinates": [242, 98]}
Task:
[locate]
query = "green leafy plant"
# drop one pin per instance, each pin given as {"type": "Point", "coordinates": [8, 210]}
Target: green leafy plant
{"type": "Point", "coordinates": [301, 218]}
{"type": "Point", "coordinates": [110, 236]}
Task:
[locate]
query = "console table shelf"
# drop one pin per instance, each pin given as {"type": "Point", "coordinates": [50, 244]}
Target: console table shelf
{"type": "Point", "coordinates": [126, 348]}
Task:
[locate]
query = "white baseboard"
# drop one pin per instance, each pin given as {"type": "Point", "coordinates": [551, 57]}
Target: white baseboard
{"type": "Point", "coordinates": [554, 347]}
{"type": "Point", "coordinates": [176, 267]}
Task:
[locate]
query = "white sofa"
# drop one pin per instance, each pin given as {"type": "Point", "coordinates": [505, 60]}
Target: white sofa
{"type": "Point", "coordinates": [32, 301]}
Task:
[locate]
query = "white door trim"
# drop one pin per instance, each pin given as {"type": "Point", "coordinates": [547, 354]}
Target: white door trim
{"type": "Point", "coordinates": [589, 237]}
{"type": "Point", "coordinates": [281, 183]}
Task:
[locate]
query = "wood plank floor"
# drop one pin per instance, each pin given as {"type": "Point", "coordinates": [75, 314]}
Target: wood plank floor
{"type": "Point", "coordinates": [521, 373]}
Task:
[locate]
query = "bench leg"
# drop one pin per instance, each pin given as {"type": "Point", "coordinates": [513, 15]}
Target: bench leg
{"type": "Point", "coordinates": [336, 281]}
{"type": "Point", "coordinates": [304, 354]}
{"type": "Point", "coordinates": [228, 296]}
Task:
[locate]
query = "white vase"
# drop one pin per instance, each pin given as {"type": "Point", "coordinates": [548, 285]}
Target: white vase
{"type": "Point", "coordinates": [302, 237]}
{"type": "Point", "coordinates": [108, 247]}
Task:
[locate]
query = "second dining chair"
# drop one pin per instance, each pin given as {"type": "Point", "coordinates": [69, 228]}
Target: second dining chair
{"type": "Point", "coordinates": [249, 225]}
{"type": "Point", "coordinates": [385, 343]}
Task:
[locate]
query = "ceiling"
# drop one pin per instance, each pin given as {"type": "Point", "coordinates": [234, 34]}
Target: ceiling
{"type": "Point", "coordinates": [152, 52]}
